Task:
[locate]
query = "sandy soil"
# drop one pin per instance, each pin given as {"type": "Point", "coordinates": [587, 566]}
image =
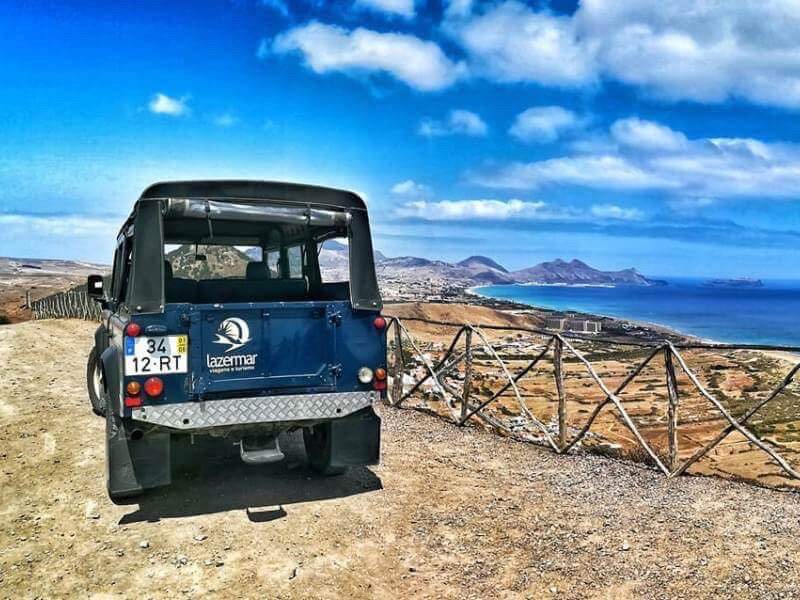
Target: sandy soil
{"type": "Point", "coordinates": [456, 513]}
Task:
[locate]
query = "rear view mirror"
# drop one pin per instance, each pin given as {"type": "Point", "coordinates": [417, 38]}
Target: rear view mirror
{"type": "Point", "coordinates": [94, 287]}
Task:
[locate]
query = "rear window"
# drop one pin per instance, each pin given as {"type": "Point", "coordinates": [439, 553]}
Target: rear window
{"type": "Point", "coordinates": [203, 262]}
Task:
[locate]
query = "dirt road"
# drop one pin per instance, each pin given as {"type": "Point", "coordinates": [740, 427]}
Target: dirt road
{"type": "Point", "coordinates": [449, 513]}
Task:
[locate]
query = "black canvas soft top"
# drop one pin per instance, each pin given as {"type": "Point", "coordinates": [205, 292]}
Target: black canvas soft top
{"type": "Point", "coordinates": [292, 193]}
{"type": "Point", "coordinates": [236, 199]}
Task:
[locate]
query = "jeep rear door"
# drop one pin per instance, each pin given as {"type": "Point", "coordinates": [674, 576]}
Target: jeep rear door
{"type": "Point", "coordinates": [264, 348]}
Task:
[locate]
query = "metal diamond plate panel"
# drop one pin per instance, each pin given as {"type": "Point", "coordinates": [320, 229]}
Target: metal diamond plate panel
{"type": "Point", "coordinates": [263, 409]}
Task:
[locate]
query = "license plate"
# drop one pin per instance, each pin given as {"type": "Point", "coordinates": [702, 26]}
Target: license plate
{"type": "Point", "coordinates": [156, 355]}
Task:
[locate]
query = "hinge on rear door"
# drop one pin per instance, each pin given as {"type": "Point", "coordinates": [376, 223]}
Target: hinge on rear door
{"type": "Point", "coordinates": [335, 370]}
{"type": "Point", "coordinates": [335, 318]}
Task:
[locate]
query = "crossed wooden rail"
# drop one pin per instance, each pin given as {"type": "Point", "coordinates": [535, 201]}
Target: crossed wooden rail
{"type": "Point", "coordinates": [462, 408]}
{"type": "Point", "coordinates": [71, 304]}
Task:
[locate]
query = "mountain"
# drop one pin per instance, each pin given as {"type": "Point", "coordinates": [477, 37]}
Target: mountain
{"type": "Point", "coordinates": [410, 262]}
{"type": "Point", "coordinates": [220, 261]}
{"type": "Point", "coordinates": [481, 263]}
{"type": "Point", "coordinates": [46, 267]}
{"type": "Point", "coordinates": [576, 272]}
{"type": "Point", "coordinates": [475, 270]}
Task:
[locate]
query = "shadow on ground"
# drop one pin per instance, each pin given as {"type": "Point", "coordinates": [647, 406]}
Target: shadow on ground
{"type": "Point", "coordinates": [209, 477]}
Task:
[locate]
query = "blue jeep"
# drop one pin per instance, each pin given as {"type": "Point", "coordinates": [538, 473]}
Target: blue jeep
{"type": "Point", "coordinates": [219, 320]}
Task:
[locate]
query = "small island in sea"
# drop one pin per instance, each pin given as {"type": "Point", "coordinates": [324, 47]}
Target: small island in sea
{"type": "Point", "coordinates": [740, 282]}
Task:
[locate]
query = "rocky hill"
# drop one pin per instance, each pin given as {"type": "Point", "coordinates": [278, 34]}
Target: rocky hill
{"type": "Point", "coordinates": [481, 270]}
{"type": "Point", "coordinates": [220, 261]}
{"type": "Point", "coordinates": [576, 272]}
{"type": "Point", "coordinates": [482, 262]}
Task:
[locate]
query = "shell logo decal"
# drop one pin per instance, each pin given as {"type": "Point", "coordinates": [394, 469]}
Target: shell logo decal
{"type": "Point", "coordinates": [233, 332]}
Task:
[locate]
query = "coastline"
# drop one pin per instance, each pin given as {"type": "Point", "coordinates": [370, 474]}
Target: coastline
{"type": "Point", "coordinates": [637, 328]}
{"type": "Point", "coordinates": [624, 329]}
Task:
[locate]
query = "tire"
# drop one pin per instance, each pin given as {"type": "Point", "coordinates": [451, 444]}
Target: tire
{"type": "Point", "coordinates": [317, 440]}
{"type": "Point", "coordinates": [95, 384]}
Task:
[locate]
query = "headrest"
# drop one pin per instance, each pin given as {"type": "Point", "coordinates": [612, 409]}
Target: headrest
{"type": "Point", "coordinates": [167, 270]}
{"type": "Point", "coordinates": [257, 271]}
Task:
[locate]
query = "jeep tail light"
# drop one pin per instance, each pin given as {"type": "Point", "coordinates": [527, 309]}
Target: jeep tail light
{"type": "Point", "coordinates": [380, 379]}
{"type": "Point", "coordinates": [154, 386]}
{"type": "Point", "coordinates": [133, 329]}
{"type": "Point", "coordinates": [379, 322]}
{"type": "Point", "coordinates": [133, 401]}
{"type": "Point", "coordinates": [133, 388]}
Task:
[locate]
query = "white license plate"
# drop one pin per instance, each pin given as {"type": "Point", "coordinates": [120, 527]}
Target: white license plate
{"type": "Point", "coordinates": [156, 355]}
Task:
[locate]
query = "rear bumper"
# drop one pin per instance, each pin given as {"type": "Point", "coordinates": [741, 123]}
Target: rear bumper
{"type": "Point", "coordinates": [259, 409]}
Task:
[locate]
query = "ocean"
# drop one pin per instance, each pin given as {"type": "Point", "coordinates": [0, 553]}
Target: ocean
{"type": "Point", "coordinates": [757, 315]}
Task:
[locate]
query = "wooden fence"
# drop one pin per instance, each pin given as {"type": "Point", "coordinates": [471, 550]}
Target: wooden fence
{"type": "Point", "coordinates": [450, 379]}
{"type": "Point", "coordinates": [462, 403]}
{"type": "Point", "coordinates": [72, 304]}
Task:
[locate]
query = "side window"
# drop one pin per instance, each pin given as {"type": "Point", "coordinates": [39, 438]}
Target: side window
{"type": "Point", "coordinates": [122, 259]}
{"type": "Point", "coordinates": [125, 272]}
{"type": "Point", "coordinates": [334, 261]}
{"type": "Point", "coordinates": [272, 262]}
{"type": "Point", "coordinates": [295, 255]}
{"type": "Point", "coordinates": [116, 274]}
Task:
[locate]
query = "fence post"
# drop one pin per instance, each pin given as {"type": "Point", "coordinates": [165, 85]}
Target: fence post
{"type": "Point", "coordinates": [558, 371]}
{"type": "Point", "coordinates": [399, 366]}
{"type": "Point", "coordinates": [467, 376]}
{"type": "Point", "coordinates": [672, 409]}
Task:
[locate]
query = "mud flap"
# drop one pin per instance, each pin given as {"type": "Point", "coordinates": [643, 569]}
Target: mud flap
{"type": "Point", "coordinates": [134, 465]}
{"type": "Point", "coordinates": [356, 439]}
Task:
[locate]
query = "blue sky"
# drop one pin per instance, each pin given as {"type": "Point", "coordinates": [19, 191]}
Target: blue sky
{"type": "Point", "coordinates": [658, 135]}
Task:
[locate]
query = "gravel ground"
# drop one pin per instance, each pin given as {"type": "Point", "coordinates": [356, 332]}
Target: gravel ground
{"type": "Point", "coordinates": [456, 513]}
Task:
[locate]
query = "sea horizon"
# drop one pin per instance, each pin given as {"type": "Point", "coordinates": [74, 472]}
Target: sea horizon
{"type": "Point", "coordinates": [723, 314]}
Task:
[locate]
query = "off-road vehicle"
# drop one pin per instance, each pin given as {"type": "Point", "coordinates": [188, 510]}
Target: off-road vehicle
{"type": "Point", "coordinates": [218, 320]}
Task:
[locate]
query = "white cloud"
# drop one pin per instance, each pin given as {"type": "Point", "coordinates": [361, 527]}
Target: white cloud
{"type": "Point", "coordinates": [705, 52]}
{"type": "Point", "coordinates": [225, 120]}
{"type": "Point", "coordinates": [161, 104]}
{"type": "Point", "coordinates": [690, 206]}
{"type": "Point", "coordinates": [458, 122]}
{"type": "Point", "coordinates": [458, 8]}
{"type": "Point", "coordinates": [278, 6]}
{"type": "Point", "coordinates": [647, 135]}
{"type": "Point", "coordinates": [326, 48]}
{"type": "Point", "coordinates": [600, 172]}
{"type": "Point", "coordinates": [650, 156]}
{"type": "Point", "coordinates": [410, 188]}
{"type": "Point", "coordinates": [612, 211]}
{"type": "Point", "coordinates": [453, 210]}
{"type": "Point", "coordinates": [518, 210]}
{"type": "Point", "coordinates": [678, 50]}
{"type": "Point", "coordinates": [15, 225]}
{"type": "Point", "coordinates": [402, 8]}
{"type": "Point", "coordinates": [702, 51]}
{"type": "Point", "coordinates": [543, 124]}
{"type": "Point", "coordinates": [512, 43]}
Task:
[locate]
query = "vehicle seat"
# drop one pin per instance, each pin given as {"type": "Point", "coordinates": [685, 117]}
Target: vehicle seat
{"type": "Point", "coordinates": [251, 290]}
{"type": "Point", "coordinates": [257, 271]}
{"type": "Point", "coordinates": [178, 289]}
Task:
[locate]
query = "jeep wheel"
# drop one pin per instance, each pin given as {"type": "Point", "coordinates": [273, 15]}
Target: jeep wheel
{"type": "Point", "coordinates": [318, 449]}
{"type": "Point", "coordinates": [95, 385]}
